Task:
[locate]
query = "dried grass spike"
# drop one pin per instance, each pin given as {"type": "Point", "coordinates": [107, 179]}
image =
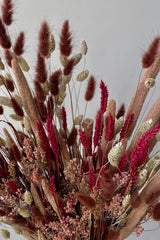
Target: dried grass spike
{"type": "Point", "coordinates": [65, 40]}
{"type": "Point", "coordinates": [149, 56]}
{"type": "Point", "coordinates": [44, 40]}
{"type": "Point", "coordinates": [19, 45]}
{"type": "Point", "coordinates": [7, 12]}
{"type": "Point", "coordinates": [90, 89]}
{"type": "Point", "coordinates": [68, 67]}
{"type": "Point", "coordinates": [2, 67]}
{"type": "Point", "coordinates": [5, 41]}
{"type": "Point", "coordinates": [18, 110]}
{"type": "Point", "coordinates": [86, 200]}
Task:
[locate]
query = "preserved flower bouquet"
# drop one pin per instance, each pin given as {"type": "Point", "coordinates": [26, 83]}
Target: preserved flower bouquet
{"type": "Point", "coordinates": [78, 179]}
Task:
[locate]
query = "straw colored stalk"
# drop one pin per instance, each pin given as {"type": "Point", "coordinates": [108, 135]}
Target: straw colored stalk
{"type": "Point", "coordinates": [142, 91]}
{"type": "Point", "coordinates": [26, 95]}
{"type": "Point", "coordinates": [137, 214]}
{"type": "Point", "coordinates": [153, 114]}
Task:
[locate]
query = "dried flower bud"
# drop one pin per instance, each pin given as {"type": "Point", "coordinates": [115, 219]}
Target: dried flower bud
{"type": "Point", "coordinates": [24, 212]}
{"type": "Point", "coordinates": [119, 124]}
{"type": "Point", "coordinates": [115, 153]}
{"type": "Point", "coordinates": [64, 60]}
{"type": "Point", "coordinates": [28, 197]}
{"type": "Point", "coordinates": [142, 177]}
{"type": "Point", "coordinates": [60, 98]}
{"type": "Point", "coordinates": [5, 101]}
{"type": "Point", "coordinates": [82, 76]}
{"type": "Point", "coordinates": [67, 78]}
{"type": "Point", "coordinates": [150, 82]}
{"type": "Point", "coordinates": [17, 230]}
{"type": "Point", "coordinates": [147, 125]}
{"type": "Point", "coordinates": [78, 120]}
{"type": "Point", "coordinates": [83, 47]}
{"type": "Point", "coordinates": [77, 58]}
{"type": "Point", "coordinates": [23, 64]}
{"type": "Point", "coordinates": [5, 233]}
{"type": "Point", "coordinates": [126, 200]}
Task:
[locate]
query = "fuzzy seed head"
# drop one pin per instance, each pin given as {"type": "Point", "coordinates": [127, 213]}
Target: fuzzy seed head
{"type": "Point", "coordinates": [77, 58]}
{"type": "Point", "coordinates": [147, 125]}
{"type": "Point", "coordinates": [154, 163]}
{"type": "Point", "coordinates": [115, 153]}
{"type": "Point", "coordinates": [63, 60]}
{"type": "Point", "coordinates": [78, 120]}
{"type": "Point", "coordinates": [83, 47]}
{"type": "Point", "coordinates": [82, 76]}
{"type": "Point", "coordinates": [23, 64]}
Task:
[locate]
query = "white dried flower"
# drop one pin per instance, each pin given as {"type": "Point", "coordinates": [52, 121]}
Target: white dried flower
{"type": "Point", "coordinates": [126, 200]}
{"type": "Point", "coordinates": [115, 153]}
{"type": "Point", "coordinates": [119, 124]}
{"type": "Point", "coordinates": [28, 197]}
{"type": "Point", "coordinates": [60, 98]}
{"type": "Point", "coordinates": [150, 82]}
{"type": "Point", "coordinates": [5, 233]}
{"type": "Point", "coordinates": [24, 212]}
{"type": "Point", "coordinates": [142, 176]}
{"type": "Point", "coordinates": [147, 125]}
{"type": "Point", "coordinates": [83, 47]}
{"type": "Point", "coordinates": [82, 76]}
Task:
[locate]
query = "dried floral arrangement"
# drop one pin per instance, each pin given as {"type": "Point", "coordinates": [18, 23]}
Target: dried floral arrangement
{"type": "Point", "coordinates": [86, 179]}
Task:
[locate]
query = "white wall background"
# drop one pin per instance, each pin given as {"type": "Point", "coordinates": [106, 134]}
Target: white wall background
{"type": "Point", "coordinates": [117, 33]}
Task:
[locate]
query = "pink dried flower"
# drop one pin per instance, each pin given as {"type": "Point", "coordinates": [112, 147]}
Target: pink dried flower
{"type": "Point", "coordinates": [122, 161]}
{"type": "Point", "coordinates": [52, 186]}
{"type": "Point", "coordinates": [104, 97]}
{"type": "Point", "coordinates": [12, 186]}
{"type": "Point", "coordinates": [91, 178]}
{"type": "Point", "coordinates": [86, 142]}
{"type": "Point", "coordinates": [98, 130]}
{"type": "Point", "coordinates": [110, 128]}
{"type": "Point", "coordinates": [126, 126]}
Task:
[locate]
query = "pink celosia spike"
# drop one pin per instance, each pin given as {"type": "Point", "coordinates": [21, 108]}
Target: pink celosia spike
{"type": "Point", "coordinates": [122, 161]}
{"type": "Point", "coordinates": [86, 142]}
{"type": "Point", "coordinates": [52, 186]}
{"type": "Point", "coordinates": [12, 186]}
{"type": "Point", "coordinates": [98, 130]}
{"type": "Point", "coordinates": [104, 97]}
{"type": "Point", "coordinates": [110, 128]}
{"type": "Point", "coordinates": [126, 126]}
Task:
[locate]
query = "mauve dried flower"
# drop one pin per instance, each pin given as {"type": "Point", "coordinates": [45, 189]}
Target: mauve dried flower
{"type": "Point", "coordinates": [44, 39]}
{"type": "Point", "coordinates": [90, 89]}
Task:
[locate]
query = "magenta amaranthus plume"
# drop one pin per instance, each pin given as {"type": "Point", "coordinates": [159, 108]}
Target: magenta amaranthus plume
{"type": "Point", "coordinates": [64, 176]}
